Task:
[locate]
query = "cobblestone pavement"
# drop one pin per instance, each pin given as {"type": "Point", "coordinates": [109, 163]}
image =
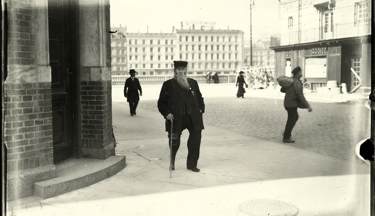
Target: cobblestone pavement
{"type": "Point", "coordinates": [331, 129]}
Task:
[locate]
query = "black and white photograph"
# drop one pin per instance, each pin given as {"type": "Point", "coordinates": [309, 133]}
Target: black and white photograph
{"type": "Point", "coordinates": [187, 107]}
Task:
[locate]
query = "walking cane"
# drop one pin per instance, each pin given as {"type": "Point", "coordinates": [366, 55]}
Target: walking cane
{"type": "Point", "coordinates": [170, 149]}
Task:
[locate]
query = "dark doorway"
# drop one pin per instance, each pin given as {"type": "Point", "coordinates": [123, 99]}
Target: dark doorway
{"type": "Point", "coordinates": [351, 55]}
{"type": "Point", "coordinates": [62, 49]}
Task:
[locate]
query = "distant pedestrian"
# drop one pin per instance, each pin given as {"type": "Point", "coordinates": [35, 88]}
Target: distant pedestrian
{"type": "Point", "coordinates": [215, 77]}
{"type": "Point", "coordinates": [241, 83]}
{"type": "Point", "coordinates": [208, 77]}
{"type": "Point", "coordinates": [181, 104]}
{"type": "Point", "coordinates": [131, 88]}
{"type": "Point", "coordinates": [293, 100]}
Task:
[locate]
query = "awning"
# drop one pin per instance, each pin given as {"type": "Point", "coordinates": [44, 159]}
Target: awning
{"type": "Point", "coordinates": [330, 42]}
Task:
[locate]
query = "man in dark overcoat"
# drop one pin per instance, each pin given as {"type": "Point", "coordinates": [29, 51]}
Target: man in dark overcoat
{"type": "Point", "coordinates": [131, 88]}
{"type": "Point", "coordinates": [294, 99]}
{"type": "Point", "coordinates": [181, 104]}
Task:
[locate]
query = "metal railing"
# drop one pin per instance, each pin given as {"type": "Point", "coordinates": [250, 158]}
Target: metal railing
{"type": "Point", "coordinates": [256, 72]}
{"type": "Point", "coordinates": [356, 79]}
{"type": "Point", "coordinates": [120, 79]}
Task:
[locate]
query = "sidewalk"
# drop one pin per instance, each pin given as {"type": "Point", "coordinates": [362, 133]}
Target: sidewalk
{"type": "Point", "coordinates": [320, 196]}
{"type": "Point", "coordinates": [234, 169]}
{"type": "Point", "coordinates": [151, 92]}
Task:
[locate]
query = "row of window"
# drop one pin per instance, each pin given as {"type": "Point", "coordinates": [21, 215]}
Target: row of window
{"type": "Point", "coordinates": [361, 12]}
{"type": "Point", "coordinates": [119, 60]}
{"type": "Point", "coordinates": [194, 38]}
{"type": "Point", "coordinates": [150, 41]}
{"type": "Point", "coordinates": [181, 46]}
{"type": "Point", "coordinates": [186, 56]}
{"type": "Point", "coordinates": [115, 44]}
{"type": "Point", "coordinates": [212, 56]}
{"type": "Point", "coordinates": [181, 55]}
{"type": "Point", "coordinates": [187, 48]}
{"type": "Point", "coordinates": [207, 47]}
{"type": "Point", "coordinates": [119, 51]}
{"type": "Point", "coordinates": [166, 49]}
{"type": "Point", "coordinates": [151, 58]}
{"type": "Point", "coordinates": [215, 65]}
{"type": "Point", "coordinates": [168, 72]}
{"type": "Point", "coordinates": [361, 15]}
{"type": "Point", "coordinates": [167, 65]}
{"type": "Point", "coordinates": [118, 44]}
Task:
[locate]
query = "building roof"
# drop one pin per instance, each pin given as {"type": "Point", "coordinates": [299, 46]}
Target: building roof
{"type": "Point", "coordinates": [208, 31]}
{"type": "Point", "coordinates": [150, 35]}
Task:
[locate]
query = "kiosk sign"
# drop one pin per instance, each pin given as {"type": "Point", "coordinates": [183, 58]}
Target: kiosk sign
{"type": "Point", "coordinates": [318, 51]}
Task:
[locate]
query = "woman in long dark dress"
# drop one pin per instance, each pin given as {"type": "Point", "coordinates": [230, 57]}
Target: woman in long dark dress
{"type": "Point", "coordinates": [240, 83]}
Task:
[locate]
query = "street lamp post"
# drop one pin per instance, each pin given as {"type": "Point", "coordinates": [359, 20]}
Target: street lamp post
{"type": "Point", "coordinates": [251, 32]}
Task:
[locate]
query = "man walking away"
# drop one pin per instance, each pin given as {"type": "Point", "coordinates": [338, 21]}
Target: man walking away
{"type": "Point", "coordinates": [132, 86]}
{"type": "Point", "coordinates": [181, 104]}
{"type": "Point", "coordinates": [293, 100]}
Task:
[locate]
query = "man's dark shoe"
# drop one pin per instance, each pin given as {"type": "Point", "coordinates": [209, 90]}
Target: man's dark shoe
{"type": "Point", "coordinates": [288, 140]}
{"type": "Point", "coordinates": [194, 169]}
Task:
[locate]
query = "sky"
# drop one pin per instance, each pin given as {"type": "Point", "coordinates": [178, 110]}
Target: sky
{"type": "Point", "coordinates": [161, 15]}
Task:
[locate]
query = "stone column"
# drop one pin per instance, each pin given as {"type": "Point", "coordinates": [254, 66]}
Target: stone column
{"type": "Point", "coordinates": [95, 79]}
{"type": "Point", "coordinates": [27, 94]}
{"type": "Point", "coordinates": [365, 72]}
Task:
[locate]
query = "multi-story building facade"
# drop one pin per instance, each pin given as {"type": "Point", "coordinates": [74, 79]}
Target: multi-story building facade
{"type": "Point", "coordinates": [263, 55]}
{"type": "Point", "coordinates": [212, 50]}
{"type": "Point", "coordinates": [329, 39]}
{"type": "Point", "coordinates": [119, 52]}
{"type": "Point", "coordinates": [152, 54]}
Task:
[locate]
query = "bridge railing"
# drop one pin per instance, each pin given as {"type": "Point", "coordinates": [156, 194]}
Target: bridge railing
{"type": "Point", "coordinates": [120, 79]}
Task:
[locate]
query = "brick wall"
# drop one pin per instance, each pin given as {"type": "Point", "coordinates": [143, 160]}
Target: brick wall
{"type": "Point", "coordinates": [27, 101]}
{"type": "Point", "coordinates": [28, 136]}
{"type": "Point", "coordinates": [96, 119]}
{"type": "Point", "coordinates": [28, 125]}
{"type": "Point", "coordinates": [21, 38]}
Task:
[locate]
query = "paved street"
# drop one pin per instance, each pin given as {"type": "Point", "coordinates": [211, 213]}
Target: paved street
{"type": "Point", "coordinates": [237, 163]}
{"type": "Point", "coordinates": [242, 159]}
{"type": "Point", "coordinates": [331, 129]}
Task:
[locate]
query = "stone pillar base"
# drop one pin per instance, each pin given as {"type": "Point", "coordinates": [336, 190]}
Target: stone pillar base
{"type": "Point", "coordinates": [20, 183]}
{"type": "Point", "coordinates": [99, 153]}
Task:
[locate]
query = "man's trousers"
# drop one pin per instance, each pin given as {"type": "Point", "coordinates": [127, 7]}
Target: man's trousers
{"type": "Point", "coordinates": [291, 122]}
{"type": "Point", "coordinates": [133, 106]}
{"type": "Point", "coordinates": [193, 144]}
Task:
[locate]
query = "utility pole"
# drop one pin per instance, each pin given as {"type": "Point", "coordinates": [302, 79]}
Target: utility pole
{"type": "Point", "coordinates": [251, 32]}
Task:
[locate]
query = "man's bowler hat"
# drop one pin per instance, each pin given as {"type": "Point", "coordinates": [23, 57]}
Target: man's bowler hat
{"type": "Point", "coordinates": [132, 71]}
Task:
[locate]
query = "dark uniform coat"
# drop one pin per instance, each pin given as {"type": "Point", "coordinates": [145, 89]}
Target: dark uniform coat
{"type": "Point", "coordinates": [294, 97]}
{"type": "Point", "coordinates": [131, 89]}
{"type": "Point", "coordinates": [179, 101]}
